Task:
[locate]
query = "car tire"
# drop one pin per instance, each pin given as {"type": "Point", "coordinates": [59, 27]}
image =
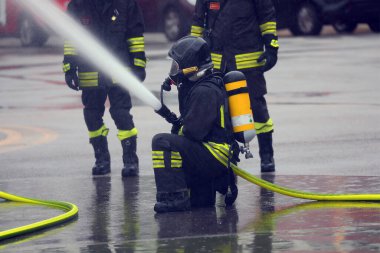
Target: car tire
{"type": "Point", "coordinates": [306, 21]}
{"type": "Point", "coordinates": [173, 24]}
{"type": "Point", "coordinates": [341, 26]}
{"type": "Point", "coordinates": [30, 34]}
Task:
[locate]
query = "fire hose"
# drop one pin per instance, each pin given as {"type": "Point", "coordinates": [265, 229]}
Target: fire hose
{"type": "Point", "coordinates": [71, 211]}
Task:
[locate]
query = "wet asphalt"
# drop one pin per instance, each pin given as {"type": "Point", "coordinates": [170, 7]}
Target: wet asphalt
{"type": "Point", "coordinates": [323, 97]}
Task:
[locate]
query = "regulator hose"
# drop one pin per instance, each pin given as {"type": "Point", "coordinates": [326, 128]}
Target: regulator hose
{"type": "Point", "coordinates": [71, 211]}
{"type": "Point", "coordinates": [304, 195]}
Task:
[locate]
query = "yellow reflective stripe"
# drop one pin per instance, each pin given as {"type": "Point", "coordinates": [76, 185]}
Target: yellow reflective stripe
{"type": "Point", "coordinates": [124, 134]}
{"type": "Point", "coordinates": [249, 64]}
{"type": "Point", "coordinates": [88, 75]}
{"type": "Point", "coordinates": [157, 164]}
{"type": "Point", "coordinates": [88, 83]}
{"type": "Point", "coordinates": [274, 43]}
{"type": "Point", "coordinates": [175, 155]}
{"type": "Point", "coordinates": [196, 31]}
{"type": "Point", "coordinates": [176, 164]}
{"type": "Point", "coordinates": [69, 48]}
{"type": "Point", "coordinates": [66, 67]}
{"type": "Point", "coordinates": [88, 79]}
{"type": "Point", "coordinates": [248, 60]}
{"type": "Point", "coordinates": [157, 154]}
{"type": "Point", "coordinates": [136, 40]}
{"type": "Point", "coordinates": [180, 132]}
{"type": "Point", "coordinates": [176, 160]}
{"type": "Point", "coordinates": [222, 116]}
{"type": "Point", "coordinates": [217, 60]}
{"type": "Point", "coordinates": [264, 127]}
{"type": "Point", "coordinates": [223, 148]}
{"type": "Point", "coordinates": [248, 56]}
{"type": "Point", "coordinates": [140, 63]}
{"type": "Point", "coordinates": [136, 48]}
{"type": "Point", "coordinates": [101, 131]}
{"type": "Point", "coordinates": [216, 154]}
{"type": "Point", "coordinates": [269, 28]}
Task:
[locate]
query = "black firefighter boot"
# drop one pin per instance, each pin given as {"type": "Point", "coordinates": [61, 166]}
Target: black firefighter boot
{"type": "Point", "coordinates": [172, 202]}
{"type": "Point", "coordinates": [266, 152]}
{"type": "Point", "coordinates": [130, 159]}
{"type": "Point", "coordinates": [102, 156]}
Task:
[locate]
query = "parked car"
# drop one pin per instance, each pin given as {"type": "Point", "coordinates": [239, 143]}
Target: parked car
{"type": "Point", "coordinates": [173, 17]}
{"type": "Point", "coordinates": [16, 22]}
{"type": "Point", "coordinates": [302, 17]}
{"type": "Point", "coordinates": [307, 17]}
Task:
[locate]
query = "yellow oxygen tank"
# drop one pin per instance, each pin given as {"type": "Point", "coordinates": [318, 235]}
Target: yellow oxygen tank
{"type": "Point", "coordinates": [240, 109]}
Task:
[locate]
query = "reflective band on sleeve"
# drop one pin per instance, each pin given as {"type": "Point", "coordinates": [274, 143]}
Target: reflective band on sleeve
{"type": "Point", "coordinates": [88, 79]}
{"type": "Point", "coordinates": [124, 134]}
{"type": "Point", "coordinates": [264, 127]}
{"type": "Point", "coordinates": [196, 31]}
{"type": "Point", "coordinates": [140, 63]}
{"type": "Point", "coordinates": [269, 28]}
{"type": "Point", "coordinates": [101, 131]}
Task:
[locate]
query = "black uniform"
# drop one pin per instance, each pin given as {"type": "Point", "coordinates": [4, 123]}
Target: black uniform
{"type": "Point", "coordinates": [238, 31]}
{"type": "Point", "coordinates": [196, 159]}
{"type": "Point", "coordinates": [119, 26]}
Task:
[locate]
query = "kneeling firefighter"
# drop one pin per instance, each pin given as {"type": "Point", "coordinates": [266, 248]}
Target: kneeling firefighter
{"type": "Point", "coordinates": [190, 163]}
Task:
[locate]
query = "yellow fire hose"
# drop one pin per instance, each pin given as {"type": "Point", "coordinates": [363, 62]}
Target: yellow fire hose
{"type": "Point", "coordinates": [71, 212]}
{"type": "Point", "coordinates": [304, 195]}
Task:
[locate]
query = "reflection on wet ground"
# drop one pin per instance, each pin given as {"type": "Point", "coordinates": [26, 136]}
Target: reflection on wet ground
{"type": "Point", "coordinates": [117, 216]}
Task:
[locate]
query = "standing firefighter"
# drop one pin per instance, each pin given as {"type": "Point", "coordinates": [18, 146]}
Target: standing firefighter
{"type": "Point", "coordinates": [242, 36]}
{"type": "Point", "coordinates": [119, 26]}
{"type": "Point", "coordinates": [191, 164]}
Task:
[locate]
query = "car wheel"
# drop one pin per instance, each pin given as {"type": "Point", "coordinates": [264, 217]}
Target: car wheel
{"type": "Point", "coordinates": [375, 26]}
{"type": "Point", "coordinates": [341, 26]}
{"type": "Point", "coordinates": [307, 21]}
{"type": "Point", "coordinates": [30, 34]}
{"type": "Point", "coordinates": [174, 27]}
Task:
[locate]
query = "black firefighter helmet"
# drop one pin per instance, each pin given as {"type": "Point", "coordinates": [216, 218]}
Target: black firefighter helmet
{"type": "Point", "coordinates": [191, 59]}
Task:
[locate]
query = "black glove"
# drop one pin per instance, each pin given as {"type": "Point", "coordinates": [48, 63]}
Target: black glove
{"type": "Point", "coordinates": [71, 76]}
{"type": "Point", "coordinates": [166, 85]}
{"type": "Point", "coordinates": [167, 114]}
{"type": "Point", "coordinates": [177, 124]}
{"type": "Point", "coordinates": [270, 57]}
{"type": "Point", "coordinates": [140, 73]}
{"type": "Point", "coordinates": [270, 54]}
